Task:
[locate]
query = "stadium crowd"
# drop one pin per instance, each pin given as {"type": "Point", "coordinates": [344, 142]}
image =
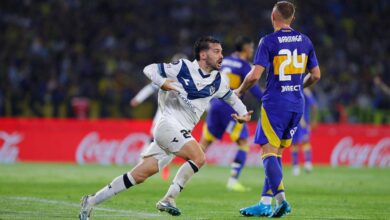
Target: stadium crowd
{"type": "Point", "coordinates": [63, 58]}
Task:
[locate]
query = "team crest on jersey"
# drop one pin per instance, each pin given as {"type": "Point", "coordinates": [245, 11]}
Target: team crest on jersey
{"type": "Point", "coordinates": [212, 90]}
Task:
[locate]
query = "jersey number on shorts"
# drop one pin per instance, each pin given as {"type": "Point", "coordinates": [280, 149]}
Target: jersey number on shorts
{"type": "Point", "coordinates": [297, 66]}
{"type": "Point", "coordinates": [186, 133]}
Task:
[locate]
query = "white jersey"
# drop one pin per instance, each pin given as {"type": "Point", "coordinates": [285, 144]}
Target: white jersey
{"type": "Point", "coordinates": [196, 88]}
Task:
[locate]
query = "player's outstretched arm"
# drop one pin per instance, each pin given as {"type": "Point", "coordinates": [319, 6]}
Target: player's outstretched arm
{"type": "Point", "coordinates": [312, 77]}
{"type": "Point", "coordinates": [143, 94]}
{"type": "Point", "coordinates": [250, 79]}
{"type": "Point", "coordinates": [242, 114]}
{"type": "Point", "coordinates": [243, 118]}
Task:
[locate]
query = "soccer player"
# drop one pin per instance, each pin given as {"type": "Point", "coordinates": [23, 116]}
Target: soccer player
{"type": "Point", "coordinates": [302, 135]}
{"type": "Point", "coordinates": [186, 89]}
{"type": "Point", "coordinates": [234, 69]}
{"type": "Point", "coordinates": [141, 96]}
{"type": "Point", "coordinates": [287, 54]}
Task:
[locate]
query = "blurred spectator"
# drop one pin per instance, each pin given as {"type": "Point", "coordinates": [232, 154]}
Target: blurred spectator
{"type": "Point", "coordinates": [53, 51]}
{"type": "Point", "coordinates": [80, 107]}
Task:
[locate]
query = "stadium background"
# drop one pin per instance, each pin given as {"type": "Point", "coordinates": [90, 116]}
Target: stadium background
{"type": "Point", "coordinates": [68, 70]}
{"type": "Point", "coordinates": [54, 51]}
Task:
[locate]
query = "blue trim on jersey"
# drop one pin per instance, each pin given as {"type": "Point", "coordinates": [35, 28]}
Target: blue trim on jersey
{"type": "Point", "coordinates": [184, 77]}
{"type": "Point", "coordinates": [162, 70]}
{"type": "Point", "coordinates": [227, 95]}
{"type": "Point", "coordinates": [203, 75]}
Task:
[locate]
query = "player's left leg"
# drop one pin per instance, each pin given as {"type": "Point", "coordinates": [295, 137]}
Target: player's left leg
{"type": "Point", "coordinates": [145, 168]}
{"type": "Point", "coordinates": [282, 206]}
{"type": "Point", "coordinates": [272, 183]}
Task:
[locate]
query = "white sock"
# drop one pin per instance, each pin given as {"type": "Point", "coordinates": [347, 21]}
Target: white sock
{"type": "Point", "coordinates": [183, 175]}
{"type": "Point", "coordinates": [266, 200]}
{"type": "Point", "coordinates": [280, 197]}
{"type": "Point", "coordinates": [232, 181]}
{"type": "Point", "coordinates": [118, 185]}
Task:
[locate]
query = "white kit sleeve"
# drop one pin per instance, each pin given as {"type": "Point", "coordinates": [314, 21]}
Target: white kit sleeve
{"type": "Point", "coordinates": [232, 99]}
{"type": "Point", "coordinates": [153, 72]}
{"type": "Point", "coordinates": [145, 92]}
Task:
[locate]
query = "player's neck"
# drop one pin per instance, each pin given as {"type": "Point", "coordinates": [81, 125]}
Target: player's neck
{"type": "Point", "coordinates": [204, 67]}
{"type": "Point", "coordinates": [280, 25]}
{"type": "Point", "coordinates": [207, 69]}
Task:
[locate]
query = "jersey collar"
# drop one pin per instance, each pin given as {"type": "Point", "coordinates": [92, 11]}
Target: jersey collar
{"type": "Point", "coordinates": [285, 28]}
{"type": "Point", "coordinates": [200, 71]}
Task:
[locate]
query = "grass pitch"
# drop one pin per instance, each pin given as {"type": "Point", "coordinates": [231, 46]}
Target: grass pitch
{"type": "Point", "coordinates": [53, 191]}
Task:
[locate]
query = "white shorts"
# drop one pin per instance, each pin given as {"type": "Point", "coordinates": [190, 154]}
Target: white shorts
{"type": "Point", "coordinates": [169, 138]}
{"type": "Point", "coordinates": [163, 157]}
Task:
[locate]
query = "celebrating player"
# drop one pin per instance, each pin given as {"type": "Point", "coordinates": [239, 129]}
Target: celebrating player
{"type": "Point", "coordinates": [288, 54]}
{"type": "Point", "coordinates": [302, 135]}
{"type": "Point", "coordinates": [186, 89]}
{"type": "Point", "coordinates": [140, 97]}
{"type": "Point", "coordinates": [218, 121]}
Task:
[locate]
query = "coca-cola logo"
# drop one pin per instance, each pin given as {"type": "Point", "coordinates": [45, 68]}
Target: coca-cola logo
{"type": "Point", "coordinates": [92, 149]}
{"type": "Point", "coordinates": [357, 155]}
{"type": "Point", "coordinates": [9, 149]}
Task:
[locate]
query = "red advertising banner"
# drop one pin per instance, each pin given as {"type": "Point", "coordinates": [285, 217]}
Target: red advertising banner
{"type": "Point", "coordinates": [121, 142]}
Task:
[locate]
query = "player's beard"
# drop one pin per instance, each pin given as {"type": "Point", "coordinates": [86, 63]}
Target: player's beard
{"type": "Point", "coordinates": [215, 65]}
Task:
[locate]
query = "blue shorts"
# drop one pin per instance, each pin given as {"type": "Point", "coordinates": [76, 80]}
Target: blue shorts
{"type": "Point", "coordinates": [276, 127]}
{"type": "Point", "coordinates": [219, 121]}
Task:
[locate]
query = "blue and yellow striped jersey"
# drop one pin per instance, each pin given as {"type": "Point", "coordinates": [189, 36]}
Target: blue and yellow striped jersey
{"type": "Point", "coordinates": [287, 55]}
{"type": "Point", "coordinates": [236, 70]}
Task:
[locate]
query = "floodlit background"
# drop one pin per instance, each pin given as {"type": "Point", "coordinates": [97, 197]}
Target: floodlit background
{"type": "Point", "coordinates": [54, 51]}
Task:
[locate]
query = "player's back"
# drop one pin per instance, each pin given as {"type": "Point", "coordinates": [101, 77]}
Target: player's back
{"type": "Point", "coordinates": [287, 54]}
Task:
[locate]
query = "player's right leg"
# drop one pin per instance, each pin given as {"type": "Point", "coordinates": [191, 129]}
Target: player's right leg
{"type": "Point", "coordinates": [193, 153]}
{"type": "Point", "coordinates": [145, 168]}
{"type": "Point", "coordinates": [174, 138]}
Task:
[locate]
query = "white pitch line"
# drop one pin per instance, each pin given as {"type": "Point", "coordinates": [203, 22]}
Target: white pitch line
{"type": "Point", "coordinates": [71, 204]}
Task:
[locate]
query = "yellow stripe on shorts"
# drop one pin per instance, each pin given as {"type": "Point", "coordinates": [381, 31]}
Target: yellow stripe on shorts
{"type": "Point", "coordinates": [286, 142]}
{"type": "Point", "coordinates": [269, 132]}
{"type": "Point", "coordinates": [206, 133]}
{"type": "Point", "coordinates": [235, 134]}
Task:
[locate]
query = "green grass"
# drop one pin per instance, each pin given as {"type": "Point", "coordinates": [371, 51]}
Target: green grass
{"type": "Point", "coordinates": [53, 191]}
